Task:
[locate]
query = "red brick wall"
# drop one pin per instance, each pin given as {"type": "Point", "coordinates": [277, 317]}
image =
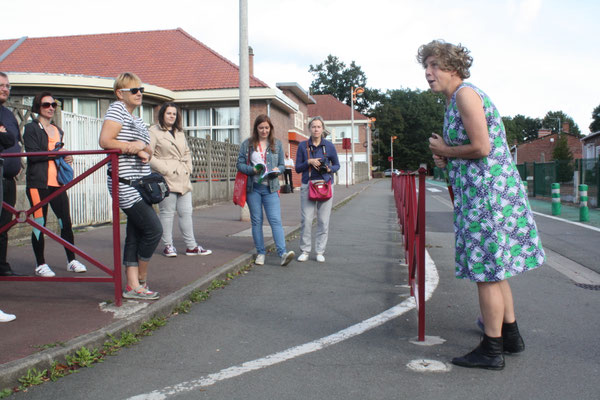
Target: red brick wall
{"type": "Point", "coordinates": [532, 151]}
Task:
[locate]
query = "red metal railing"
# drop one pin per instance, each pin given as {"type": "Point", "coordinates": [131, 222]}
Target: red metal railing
{"type": "Point", "coordinates": [114, 275]}
{"type": "Point", "coordinates": [411, 216]}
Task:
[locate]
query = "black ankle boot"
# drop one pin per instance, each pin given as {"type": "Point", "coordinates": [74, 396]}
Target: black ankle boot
{"type": "Point", "coordinates": [487, 355]}
{"type": "Point", "coordinates": [513, 342]}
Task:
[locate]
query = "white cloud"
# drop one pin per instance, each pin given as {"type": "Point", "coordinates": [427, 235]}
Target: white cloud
{"type": "Point", "coordinates": [530, 56]}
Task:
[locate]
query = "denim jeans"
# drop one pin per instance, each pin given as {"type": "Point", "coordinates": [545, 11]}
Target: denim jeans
{"type": "Point", "coordinates": [182, 203]}
{"type": "Point", "coordinates": [143, 233]}
{"type": "Point", "coordinates": [259, 197]}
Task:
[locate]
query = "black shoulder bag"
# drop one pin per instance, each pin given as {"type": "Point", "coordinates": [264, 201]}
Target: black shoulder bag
{"type": "Point", "coordinates": [153, 188]}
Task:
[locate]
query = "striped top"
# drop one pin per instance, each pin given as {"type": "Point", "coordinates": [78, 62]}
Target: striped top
{"type": "Point", "coordinates": [130, 166]}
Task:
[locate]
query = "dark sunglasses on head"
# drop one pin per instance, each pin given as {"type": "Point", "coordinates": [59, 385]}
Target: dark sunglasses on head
{"type": "Point", "coordinates": [48, 105]}
{"type": "Point", "coordinates": [133, 90]}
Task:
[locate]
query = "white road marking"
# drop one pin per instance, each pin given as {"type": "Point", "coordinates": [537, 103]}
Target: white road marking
{"type": "Point", "coordinates": [434, 190]}
{"type": "Point", "coordinates": [431, 282]}
{"type": "Point", "coordinates": [572, 270]}
{"type": "Point", "coordinates": [567, 221]}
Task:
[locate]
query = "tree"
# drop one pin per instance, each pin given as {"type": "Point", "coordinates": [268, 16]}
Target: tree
{"type": "Point", "coordinates": [411, 116]}
{"type": "Point", "coordinates": [595, 125]}
{"type": "Point", "coordinates": [562, 154]}
{"type": "Point", "coordinates": [332, 76]}
{"type": "Point", "coordinates": [521, 128]}
{"type": "Point", "coordinates": [550, 121]}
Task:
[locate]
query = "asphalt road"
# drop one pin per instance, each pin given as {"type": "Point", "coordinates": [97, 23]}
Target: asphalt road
{"type": "Point", "coordinates": [273, 311]}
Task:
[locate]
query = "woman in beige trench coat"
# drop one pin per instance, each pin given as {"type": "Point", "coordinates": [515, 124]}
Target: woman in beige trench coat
{"type": "Point", "coordinates": [171, 157]}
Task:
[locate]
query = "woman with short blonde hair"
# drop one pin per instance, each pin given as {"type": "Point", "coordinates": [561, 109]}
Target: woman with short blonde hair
{"type": "Point", "coordinates": [126, 132]}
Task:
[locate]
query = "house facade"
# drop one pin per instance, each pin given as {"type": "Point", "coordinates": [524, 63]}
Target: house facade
{"type": "Point", "coordinates": [80, 70]}
{"type": "Point", "coordinates": [591, 145]}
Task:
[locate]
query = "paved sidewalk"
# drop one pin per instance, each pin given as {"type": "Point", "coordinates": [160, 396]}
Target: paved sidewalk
{"type": "Point", "coordinates": [55, 319]}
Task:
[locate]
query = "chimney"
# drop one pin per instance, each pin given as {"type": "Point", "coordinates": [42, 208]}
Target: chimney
{"type": "Point", "coordinates": [544, 132]}
{"type": "Point", "coordinates": [565, 127]}
{"type": "Point", "coordinates": [251, 61]}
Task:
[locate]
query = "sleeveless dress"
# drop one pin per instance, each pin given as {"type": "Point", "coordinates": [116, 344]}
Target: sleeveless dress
{"type": "Point", "coordinates": [496, 236]}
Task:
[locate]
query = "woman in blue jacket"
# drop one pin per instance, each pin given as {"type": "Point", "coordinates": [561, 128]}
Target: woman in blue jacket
{"type": "Point", "coordinates": [261, 158]}
{"type": "Point", "coordinates": [316, 159]}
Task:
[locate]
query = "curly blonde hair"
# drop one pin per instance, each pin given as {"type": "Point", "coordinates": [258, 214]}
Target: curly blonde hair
{"type": "Point", "coordinates": [450, 57]}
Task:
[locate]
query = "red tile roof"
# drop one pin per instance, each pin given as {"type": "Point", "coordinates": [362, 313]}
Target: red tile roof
{"type": "Point", "coordinates": [331, 109]}
{"type": "Point", "coordinates": [170, 58]}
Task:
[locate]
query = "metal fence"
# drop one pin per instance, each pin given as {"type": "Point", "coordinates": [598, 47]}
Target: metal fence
{"type": "Point", "coordinates": [90, 201]}
{"type": "Point", "coordinates": [570, 174]}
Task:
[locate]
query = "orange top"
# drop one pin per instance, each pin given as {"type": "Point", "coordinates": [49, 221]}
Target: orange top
{"type": "Point", "coordinates": [53, 138]}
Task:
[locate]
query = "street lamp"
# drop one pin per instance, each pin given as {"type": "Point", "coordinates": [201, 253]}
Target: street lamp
{"type": "Point", "coordinates": [369, 144]}
{"type": "Point", "coordinates": [353, 93]}
{"type": "Point", "coordinates": [392, 152]}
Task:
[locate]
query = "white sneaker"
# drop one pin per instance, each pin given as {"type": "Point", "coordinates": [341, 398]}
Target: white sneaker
{"type": "Point", "coordinates": [6, 317]}
{"type": "Point", "coordinates": [260, 259]}
{"type": "Point", "coordinates": [76, 266]}
{"type": "Point", "coordinates": [287, 257]}
{"type": "Point", "coordinates": [320, 258]}
{"type": "Point", "coordinates": [45, 271]}
{"type": "Point", "coordinates": [303, 257]}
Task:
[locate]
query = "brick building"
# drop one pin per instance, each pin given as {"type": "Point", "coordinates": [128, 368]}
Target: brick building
{"type": "Point", "coordinates": [540, 150]}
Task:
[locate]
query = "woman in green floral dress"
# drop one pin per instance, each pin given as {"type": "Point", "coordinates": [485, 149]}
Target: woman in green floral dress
{"type": "Point", "coordinates": [496, 236]}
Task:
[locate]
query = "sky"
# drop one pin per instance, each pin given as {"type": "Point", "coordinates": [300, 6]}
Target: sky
{"type": "Point", "coordinates": [530, 56]}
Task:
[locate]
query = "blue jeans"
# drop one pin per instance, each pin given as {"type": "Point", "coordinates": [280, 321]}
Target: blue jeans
{"type": "Point", "coordinates": [259, 197]}
{"type": "Point", "coordinates": [143, 233]}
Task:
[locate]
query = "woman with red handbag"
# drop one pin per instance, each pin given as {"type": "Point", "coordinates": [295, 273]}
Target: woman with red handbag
{"type": "Point", "coordinates": [261, 159]}
{"type": "Point", "coordinates": [317, 161]}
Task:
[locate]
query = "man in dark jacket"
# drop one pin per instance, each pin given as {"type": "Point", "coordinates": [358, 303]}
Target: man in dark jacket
{"type": "Point", "coordinates": [9, 143]}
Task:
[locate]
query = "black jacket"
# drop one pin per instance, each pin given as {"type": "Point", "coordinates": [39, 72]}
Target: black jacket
{"type": "Point", "coordinates": [9, 142]}
{"type": "Point", "coordinates": [36, 139]}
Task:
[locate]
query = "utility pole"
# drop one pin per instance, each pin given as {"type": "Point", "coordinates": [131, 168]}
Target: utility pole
{"type": "Point", "coordinates": [244, 87]}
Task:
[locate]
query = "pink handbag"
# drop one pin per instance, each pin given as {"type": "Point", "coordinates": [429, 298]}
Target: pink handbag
{"type": "Point", "coordinates": [319, 190]}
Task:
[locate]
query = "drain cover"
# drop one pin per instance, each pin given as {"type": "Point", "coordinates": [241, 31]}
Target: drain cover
{"type": "Point", "coordinates": [588, 286]}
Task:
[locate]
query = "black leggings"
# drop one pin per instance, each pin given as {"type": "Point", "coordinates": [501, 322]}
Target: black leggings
{"type": "Point", "coordinates": [60, 207]}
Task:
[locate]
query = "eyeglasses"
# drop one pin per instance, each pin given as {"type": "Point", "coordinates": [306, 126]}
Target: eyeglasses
{"type": "Point", "coordinates": [48, 105]}
{"type": "Point", "coordinates": [133, 90]}
{"type": "Point", "coordinates": [3, 86]}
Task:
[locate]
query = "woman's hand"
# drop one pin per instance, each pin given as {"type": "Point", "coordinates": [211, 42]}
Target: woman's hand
{"type": "Point", "coordinates": [439, 161]}
{"type": "Point", "coordinates": [68, 159]}
{"type": "Point", "coordinates": [437, 144]}
{"type": "Point", "coordinates": [145, 157]}
{"type": "Point", "coordinates": [315, 162]}
{"type": "Point", "coordinates": [135, 147]}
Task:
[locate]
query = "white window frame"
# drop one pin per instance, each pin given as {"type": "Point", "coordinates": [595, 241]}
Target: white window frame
{"type": "Point", "coordinates": [299, 120]}
{"type": "Point", "coordinates": [211, 128]}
